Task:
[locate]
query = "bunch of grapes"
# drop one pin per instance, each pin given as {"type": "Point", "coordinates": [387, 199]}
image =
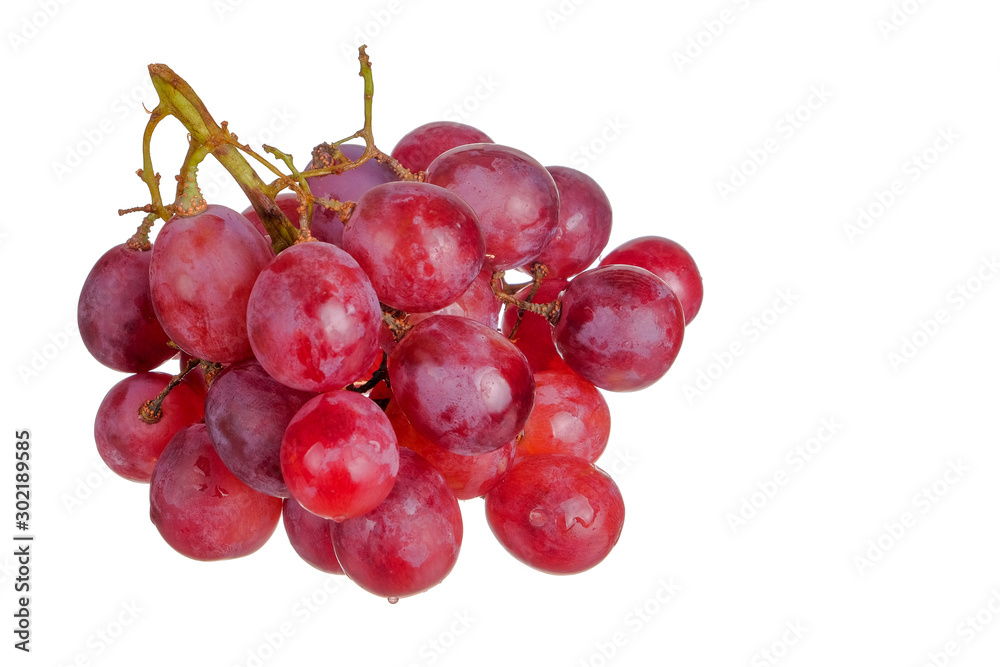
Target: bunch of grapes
{"type": "Point", "coordinates": [354, 360]}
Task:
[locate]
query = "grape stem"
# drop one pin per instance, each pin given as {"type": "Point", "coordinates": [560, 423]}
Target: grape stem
{"type": "Point", "coordinates": [152, 411]}
{"type": "Point", "coordinates": [381, 373]}
{"type": "Point", "coordinates": [396, 321]}
{"type": "Point", "coordinates": [550, 311]}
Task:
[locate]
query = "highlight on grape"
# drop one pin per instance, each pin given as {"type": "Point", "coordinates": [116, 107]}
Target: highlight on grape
{"type": "Point", "coordinates": [349, 356]}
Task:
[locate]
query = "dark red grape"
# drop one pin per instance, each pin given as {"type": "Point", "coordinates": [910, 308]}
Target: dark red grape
{"type": "Point", "coordinates": [310, 536]}
{"type": "Point", "coordinates": [419, 147]}
{"type": "Point", "coordinates": [461, 384]}
{"type": "Point", "coordinates": [201, 274]}
{"type": "Point", "coordinates": [200, 508]}
{"type": "Point", "coordinates": [514, 197]}
{"type": "Point", "coordinates": [620, 327]}
{"type": "Point", "coordinates": [129, 445]}
{"type": "Point", "coordinates": [534, 335]}
{"type": "Point", "coordinates": [246, 412]}
{"type": "Point", "coordinates": [468, 475]}
{"type": "Point", "coordinates": [557, 513]}
{"type": "Point", "coordinates": [325, 225]}
{"type": "Point", "coordinates": [339, 455]}
{"type": "Point", "coordinates": [115, 313]}
{"type": "Point", "coordinates": [584, 224]}
{"type": "Point", "coordinates": [420, 244]}
{"type": "Point", "coordinates": [408, 543]}
{"type": "Point", "coordinates": [668, 260]}
{"type": "Point", "coordinates": [288, 202]}
{"type": "Point", "coordinates": [313, 318]}
{"type": "Point", "coordinates": [569, 417]}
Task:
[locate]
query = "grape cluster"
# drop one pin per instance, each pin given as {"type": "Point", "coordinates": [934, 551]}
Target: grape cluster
{"type": "Point", "coordinates": [363, 379]}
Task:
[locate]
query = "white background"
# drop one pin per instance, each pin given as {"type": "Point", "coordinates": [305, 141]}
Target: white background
{"type": "Point", "coordinates": [818, 555]}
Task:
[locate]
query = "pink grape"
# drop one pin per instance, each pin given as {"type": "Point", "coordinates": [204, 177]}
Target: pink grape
{"type": "Point", "coordinates": [313, 318]}
{"type": "Point", "coordinates": [201, 273]}
{"type": "Point", "coordinates": [410, 542]}
{"type": "Point", "coordinates": [668, 260]}
{"type": "Point", "coordinates": [420, 245]}
{"type": "Point", "coordinates": [584, 224]}
{"type": "Point", "coordinates": [115, 313]}
{"type": "Point", "coordinates": [339, 455]}
{"type": "Point", "coordinates": [200, 508]}
{"type": "Point", "coordinates": [468, 475]}
{"type": "Point", "coordinates": [514, 197]}
{"type": "Point", "coordinates": [288, 202]}
{"type": "Point", "coordinates": [620, 327]}
{"type": "Point", "coordinates": [419, 147]}
{"type": "Point", "coordinates": [476, 303]}
{"type": "Point", "coordinates": [246, 412]}
{"type": "Point", "coordinates": [310, 536]}
{"type": "Point", "coordinates": [461, 384]}
{"type": "Point", "coordinates": [129, 445]}
{"type": "Point", "coordinates": [349, 185]}
{"type": "Point", "coordinates": [569, 417]}
{"type": "Point", "coordinates": [557, 513]}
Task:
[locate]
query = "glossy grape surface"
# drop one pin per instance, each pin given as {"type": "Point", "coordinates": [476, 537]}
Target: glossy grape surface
{"type": "Point", "coordinates": [570, 417]}
{"type": "Point", "coordinates": [461, 384]}
{"type": "Point", "coordinates": [115, 313]}
{"type": "Point", "coordinates": [419, 147]}
{"type": "Point", "coordinates": [310, 536]}
{"type": "Point", "coordinates": [556, 513]}
{"type": "Point", "coordinates": [313, 318]}
{"type": "Point", "coordinates": [476, 303]}
{"type": "Point", "coordinates": [668, 260]}
{"type": "Point", "coordinates": [200, 508]}
{"type": "Point", "coordinates": [620, 327]}
{"type": "Point", "coordinates": [408, 543]}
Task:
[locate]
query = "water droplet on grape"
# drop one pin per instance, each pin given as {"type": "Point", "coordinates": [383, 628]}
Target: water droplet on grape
{"type": "Point", "coordinates": [392, 599]}
{"type": "Point", "coordinates": [537, 517]}
{"type": "Point", "coordinates": [202, 465]}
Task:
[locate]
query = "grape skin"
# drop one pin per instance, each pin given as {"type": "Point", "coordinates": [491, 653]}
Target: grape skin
{"type": "Point", "coordinates": [309, 535]}
{"type": "Point", "coordinates": [569, 417]}
{"type": "Point", "coordinates": [419, 147]}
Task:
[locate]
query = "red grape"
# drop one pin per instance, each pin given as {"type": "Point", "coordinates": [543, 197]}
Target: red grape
{"type": "Point", "coordinates": [129, 445]}
{"type": "Point", "coordinates": [468, 475]}
{"type": "Point", "coordinates": [115, 313]}
{"type": "Point", "coordinates": [461, 384]}
{"type": "Point", "coordinates": [570, 417]}
{"type": "Point", "coordinates": [201, 274]}
{"type": "Point", "coordinates": [476, 303]}
{"type": "Point", "coordinates": [620, 327]}
{"type": "Point", "coordinates": [408, 543]}
{"type": "Point", "coordinates": [668, 260]}
{"type": "Point", "coordinates": [556, 513]}
{"type": "Point", "coordinates": [420, 245]}
{"type": "Point", "coordinates": [200, 508]}
{"type": "Point", "coordinates": [584, 224]}
{"type": "Point", "coordinates": [246, 412]}
{"type": "Point", "coordinates": [288, 202]}
{"type": "Point", "coordinates": [326, 225]}
{"type": "Point", "coordinates": [418, 148]}
{"type": "Point", "coordinates": [310, 536]}
{"type": "Point", "coordinates": [534, 335]}
{"type": "Point", "coordinates": [313, 318]}
{"type": "Point", "coordinates": [339, 455]}
{"type": "Point", "coordinates": [514, 197]}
